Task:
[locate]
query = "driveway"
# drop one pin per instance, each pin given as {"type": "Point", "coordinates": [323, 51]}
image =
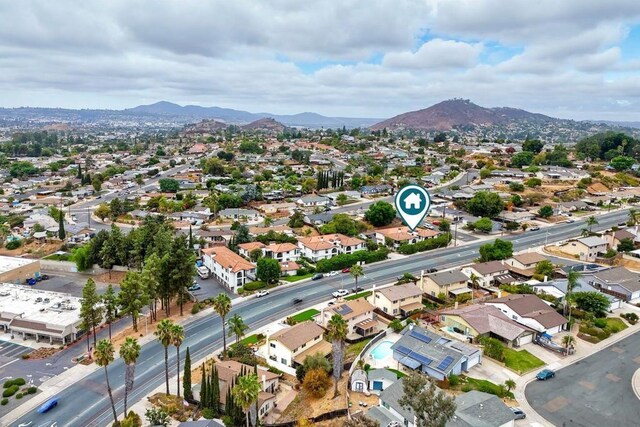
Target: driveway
{"type": "Point", "coordinates": [210, 288]}
{"type": "Point", "coordinates": [595, 391]}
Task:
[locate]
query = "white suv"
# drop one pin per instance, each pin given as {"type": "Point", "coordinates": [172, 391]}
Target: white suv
{"type": "Point", "coordinates": [340, 293]}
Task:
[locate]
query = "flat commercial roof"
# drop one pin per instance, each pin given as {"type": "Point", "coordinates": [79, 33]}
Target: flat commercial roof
{"type": "Point", "coordinates": [38, 309]}
{"type": "Point", "coordinates": [8, 263]}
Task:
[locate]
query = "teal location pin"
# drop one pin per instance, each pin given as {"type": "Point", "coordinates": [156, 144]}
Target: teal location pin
{"type": "Point", "coordinates": [412, 203]}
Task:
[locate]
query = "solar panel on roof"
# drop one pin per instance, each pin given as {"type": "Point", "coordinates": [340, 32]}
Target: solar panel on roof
{"type": "Point", "coordinates": [419, 336]}
{"type": "Point", "coordinates": [420, 358]}
{"type": "Point", "coordinates": [343, 310]}
{"type": "Point", "coordinates": [403, 350]}
{"type": "Point", "coordinates": [446, 362]}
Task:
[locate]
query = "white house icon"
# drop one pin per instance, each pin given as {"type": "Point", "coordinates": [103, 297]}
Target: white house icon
{"type": "Point", "coordinates": [412, 201]}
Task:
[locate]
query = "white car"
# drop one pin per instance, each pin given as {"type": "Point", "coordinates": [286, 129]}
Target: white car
{"type": "Point", "coordinates": [262, 293]}
{"type": "Point", "coordinates": [333, 273]}
{"type": "Point", "coordinates": [340, 293]}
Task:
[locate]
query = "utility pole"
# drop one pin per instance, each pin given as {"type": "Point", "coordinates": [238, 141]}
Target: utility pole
{"type": "Point", "coordinates": [455, 234]}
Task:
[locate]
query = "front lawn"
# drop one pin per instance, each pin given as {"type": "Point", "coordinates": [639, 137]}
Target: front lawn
{"type": "Point", "coordinates": [250, 340]}
{"type": "Point", "coordinates": [486, 387]}
{"type": "Point", "coordinates": [297, 278]}
{"type": "Point", "coordinates": [601, 329]}
{"type": "Point", "coordinates": [521, 361]}
{"type": "Point", "coordinates": [364, 294]}
{"type": "Point", "coordinates": [304, 316]}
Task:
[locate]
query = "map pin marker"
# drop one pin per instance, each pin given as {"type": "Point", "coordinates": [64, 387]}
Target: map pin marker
{"type": "Point", "coordinates": [412, 203]}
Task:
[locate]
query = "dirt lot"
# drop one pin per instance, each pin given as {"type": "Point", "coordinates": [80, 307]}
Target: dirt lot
{"type": "Point", "coordinates": [114, 277]}
{"type": "Point", "coordinates": [305, 406]}
{"type": "Point", "coordinates": [32, 250]}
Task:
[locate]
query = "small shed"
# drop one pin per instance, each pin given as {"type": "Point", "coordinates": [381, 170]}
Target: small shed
{"type": "Point", "coordinates": [359, 381]}
{"type": "Point", "coordinates": [380, 379]}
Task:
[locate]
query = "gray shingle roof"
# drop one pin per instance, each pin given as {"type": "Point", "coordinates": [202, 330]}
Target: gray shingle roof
{"type": "Point", "coordinates": [478, 409]}
{"type": "Point", "coordinates": [444, 278]}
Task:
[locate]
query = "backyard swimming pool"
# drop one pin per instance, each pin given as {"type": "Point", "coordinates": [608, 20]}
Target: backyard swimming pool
{"type": "Point", "coordinates": [382, 350]}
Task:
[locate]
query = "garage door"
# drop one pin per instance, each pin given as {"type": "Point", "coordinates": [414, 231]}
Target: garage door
{"type": "Point", "coordinates": [377, 385]}
{"type": "Point", "coordinates": [526, 339]}
{"type": "Point", "coordinates": [473, 361]}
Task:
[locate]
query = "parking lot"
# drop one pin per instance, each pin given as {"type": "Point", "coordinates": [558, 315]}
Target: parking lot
{"type": "Point", "coordinates": [210, 288]}
{"type": "Point", "coordinates": [10, 351]}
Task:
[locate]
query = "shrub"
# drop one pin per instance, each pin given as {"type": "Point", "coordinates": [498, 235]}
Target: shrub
{"type": "Point", "coordinates": [10, 391]}
{"type": "Point", "coordinates": [208, 413]}
{"type": "Point", "coordinates": [632, 318]}
{"type": "Point", "coordinates": [316, 382]}
{"type": "Point", "coordinates": [254, 286]}
{"type": "Point", "coordinates": [341, 261]}
{"type": "Point", "coordinates": [25, 356]}
{"type": "Point", "coordinates": [454, 380]}
{"type": "Point", "coordinates": [240, 290]}
{"type": "Point", "coordinates": [7, 384]}
{"type": "Point", "coordinates": [19, 396]}
{"type": "Point", "coordinates": [32, 390]}
{"type": "Point", "coordinates": [600, 323]}
{"type": "Point", "coordinates": [493, 348]}
{"type": "Point", "coordinates": [195, 309]}
{"type": "Point", "coordinates": [467, 387]}
{"type": "Point", "coordinates": [132, 420]}
{"type": "Point", "coordinates": [4, 402]}
{"type": "Point", "coordinates": [14, 244]}
{"type": "Point", "coordinates": [438, 242]}
{"type": "Point", "coordinates": [19, 381]}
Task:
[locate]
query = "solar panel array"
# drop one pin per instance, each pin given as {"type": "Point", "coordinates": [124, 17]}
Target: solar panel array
{"type": "Point", "coordinates": [420, 358]}
{"type": "Point", "coordinates": [421, 337]}
{"type": "Point", "coordinates": [446, 362]}
{"type": "Point", "coordinates": [403, 350]}
{"type": "Point", "coordinates": [343, 310]}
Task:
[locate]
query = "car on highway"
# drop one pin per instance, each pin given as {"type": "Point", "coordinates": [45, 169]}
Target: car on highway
{"type": "Point", "coordinates": [570, 220]}
{"type": "Point", "coordinates": [296, 301]}
{"type": "Point", "coordinates": [346, 270]}
{"type": "Point", "coordinates": [340, 293]}
{"type": "Point", "coordinates": [48, 405]}
{"type": "Point", "coordinates": [519, 413]}
{"type": "Point", "coordinates": [262, 293]}
{"type": "Point", "coordinates": [545, 374]}
{"type": "Point", "coordinates": [317, 276]}
{"type": "Point", "coordinates": [534, 228]}
{"type": "Point", "coordinates": [195, 287]}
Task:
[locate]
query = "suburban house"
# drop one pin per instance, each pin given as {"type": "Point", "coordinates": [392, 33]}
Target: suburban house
{"type": "Point", "coordinates": [488, 273]}
{"type": "Point", "coordinates": [357, 313]}
{"type": "Point", "coordinates": [479, 320]}
{"type": "Point", "coordinates": [283, 252]}
{"type": "Point", "coordinates": [397, 300]}
{"type": "Point", "coordinates": [558, 289]}
{"type": "Point", "coordinates": [236, 214]}
{"type": "Point", "coordinates": [313, 200]}
{"type": "Point", "coordinates": [479, 409]}
{"type": "Point", "coordinates": [214, 237]}
{"type": "Point", "coordinates": [452, 282]}
{"type": "Point", "coordinates": [327, 246]}
{"type": "Point", "coordinates": [289, 268]}
{"type": "Point", "coordinates": [291, 345]}
{"type": "Point", "coordinates": [375, 190]}
{"type": "Point", "coordinates": [228, 372]}
{"type": "Point", "coordinates": [396, 236]}
{"type": "Point", "coordinates": [530, 311]}
{"type": "Point", "coordinates": [245, 249]}
{"type": "Point", "coordinates": [586, 248]}
{"type": "Point", "coordinates": [228, 267]}
{"type": "Point", "coordinates": [617, 281]}
{"type": "Point", "coordinates": [615, 237]}
{"type": "Point", "coordinates": [432, 354]}
{"type": "Point", "coordinates": [524, 264]}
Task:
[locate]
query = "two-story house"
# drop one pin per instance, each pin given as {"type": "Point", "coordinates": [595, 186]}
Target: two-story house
{"type": "Point", "coordinates": [327, 246]}
{"type": "Point", "coordinates": [397, 300]}
{"type": "Point", "coordinates": [586, 248]}
{"type": "Point", "coordinates": [530, 311]}
{"type": "Point", "coordinates": [283, 252]}
{"type": "Point", "coordinates": [290, 346]}
{"type": "Point", "coordinates": [397, 236]}
{"type": "Point", "coordinates": [228, 267]}
{"type": "Point", "coordinates": [617, 281]}
{"type": "Point", "coordinates": [524, 264]}
{"type": "Point", "coordinates": [357, 313]}
{"type": "Point", "coordinates": [487, 274]}
{"type": "Point", "coordinates": [450, 282]}
{"type": "Point", "coordinates": [245, 249]}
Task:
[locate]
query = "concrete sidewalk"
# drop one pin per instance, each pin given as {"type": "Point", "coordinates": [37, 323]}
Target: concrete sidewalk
{"type": "Point", "coordinates": [583, 350]}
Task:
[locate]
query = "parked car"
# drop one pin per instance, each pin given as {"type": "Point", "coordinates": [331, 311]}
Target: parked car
{"type": "Point", "coordinates": [534, 228]}
{"type": "Point", "coordinates": [48, 405]}
{"type": "Point", "coordinates": [262, 293]}
{"type": "Point", "coordinates": [519, 413]}
{"type": "Point", "coordinates": [296, 300]}
{"type": "Point", "coordinates": [332, 273]}
{"type": "Point", "coordinates": [570, 220]}
{"type": "Point", "coordinates": [194, 287]}
{"type": "Point", "coordinates": [340, 293]}
{"type": "Point", "coordinates": [357, 289]}
{"type": "Point", "coordinates": [346, 270]}
{"type": "Point", "coordinates": [317, 276]}
{"type": "Point", "coordinates": [545, 374]}
{"type": "Point", "coordinates": [432, 270]}
{"type": "Point", "coordinates": [44, 276]}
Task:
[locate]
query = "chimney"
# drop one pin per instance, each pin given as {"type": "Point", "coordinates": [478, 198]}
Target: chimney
{"type": "Point", "coordinates": [455, 305]}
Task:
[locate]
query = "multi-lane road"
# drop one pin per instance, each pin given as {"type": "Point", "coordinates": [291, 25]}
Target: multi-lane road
{"type": "Point", "coordinates": [86, 403]}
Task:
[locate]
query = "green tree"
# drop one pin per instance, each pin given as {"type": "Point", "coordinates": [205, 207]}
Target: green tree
{"type": "Point", "coordinates": [129, 352]}
{"type": "Point", "coordinates": [544, 268]}
{"type": "Point", "coordinates": [91, 311]}
{"type": "Point", "coordinates": [337, 333]}
{"type": "Point", "coordinates": [342, 199]}
{"type": "Point", "coordinates": [237, 327]}
{"type": "Point", "coordinates": [396, 325]}
{"type": "Point", "coordinates": [246, 392]}
{"type": "Point", "coordinates": [102, 211]}
{"type": "Point", "coordinates": [110, 303]}
{"type": "Point", "coordinates": [483, 224]}
{"type": "Point", "coordinates": [445, 226]}
{"type": "Point", "coordinates": [591, 221]}
{"type": "Point", "coordinates": [164, 332]}
{"type": "Point", "coordinates": [296, 220]}
{"type": "Point", "coordinates": [532, 145]}
{"type": "Point", "coordinates": [516, 186]}
{"type": "Point", "coordinates": [96, 182]}
{"type": "Point", "coordinates": [510, 384]}
{"type": "Point", "coordinates": [572, 283]}
{"type": "Point", "coordinates": [177, 337]}
{"type": "Point", "coordinates": [430, 405]}
{"type": "Point", "coordinates": [316, 361]}
{"type": "Point", "coordinates": [104, 356]}
{"type": "Point", "coordinates": [524, 158]}
{"type": "Point", "coordinates": [626, 245]}
{"type": "Point", "coordinates": [485, 204]}
{"type": "Point", "coordinates": [498, 250]}
{"type": "Point", "coordinates": [132, 296]}
{"type": "Point", "coordinates": [356, 271]}
{"type": "Point", "coordinates": [222, 306]}
{"type": "Point", "coordinates": [622, 163]}
{"type": "Point", "coordinates": [593, 302]}
{"type": "Point", "coordinates": [380, 214]}
{"type": "Point", "coordinates": [186, 377]}
{"type": "Point", "coordinates": [268, 270]}
{"type": "Point", "coordinates": [545, 212]}
{"type": "Point", "coordinates": [61, 233]}
{"type": "Point", "coordinates": [533, 182]}
{"type": "Point", "coordinates": [169, 185]}
{"type": "Point", "coordinates": [81, 256]}
{"type": "Point", "coordinates": [255, 254]}
{"type": "Point", "coordinates": [512, 226]}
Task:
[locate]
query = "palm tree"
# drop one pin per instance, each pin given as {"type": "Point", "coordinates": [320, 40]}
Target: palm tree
{"type": "Point", "coordinates": [567, 340]}
{"type": "Point", "coordinates": [237, 326]}
{"type": "Point", "coordinates": [633, 216]}
{"type": "Point", "coordinates": [246, 392]}
{"type": "Point", "coordinates": [357, 271]}
{"type": "Point", "coordinates": [164, 333]}
{"type": "Point", "coordinates": [104, 355]}
{"type": "Point", "coordinates": [222, 306]}
{"type": "Point", "coordinates": [475, 283]}
{"type": "Point", "coordinates": [591, 221]}
{"type": "Point", "coordinates": [572, 283]}
{"type": "Point", "coordinates": [510, 384]}
{"type": "Point", "coordinates": [585, 232]}
{"type": "Point", "coordinates": [337, 333]}
{"type": "Point", "coordinates": [177, 336]}
{"type": "Point", "coordinates": [129, 352]}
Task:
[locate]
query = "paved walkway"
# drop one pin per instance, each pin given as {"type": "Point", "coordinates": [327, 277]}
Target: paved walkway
{"type": "Point", "coordinates": [583, 349]}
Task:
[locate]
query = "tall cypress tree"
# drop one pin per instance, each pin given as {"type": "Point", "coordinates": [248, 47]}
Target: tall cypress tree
{"type": "Point", "coordinates": [215, 391]}
{"type": "Point", "coordinates": [203, 385]}
{"type": "Point", "coordinates": [61, 233]}
{"type": "Point", "coordinates": [186, 377]}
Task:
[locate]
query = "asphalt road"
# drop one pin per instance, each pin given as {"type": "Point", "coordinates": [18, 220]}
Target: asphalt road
{"type": "Point", "coordinates": [595, 391]}
{"type": "Point", "coordinates": [86, 403]}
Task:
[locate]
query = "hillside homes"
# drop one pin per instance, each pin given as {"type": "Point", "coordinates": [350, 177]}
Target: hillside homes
{"type": "Point", "coordinates": [450, 282]}
{"type": "Point", "coordinates": [327, 246]}
{"type": "Point", "coordinates": [291, 345]}
{"type": "Point", "coordinates": [357, 313]}
{"type": "Point", "coordinates": [397, 300]}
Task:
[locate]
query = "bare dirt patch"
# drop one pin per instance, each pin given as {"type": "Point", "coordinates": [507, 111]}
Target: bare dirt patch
{"type": "Point", "coordinates": [114, 277]}
{"type": "Point", "coordinates": [32, 250]}
{"type": "Point", "coordinates": [43, 353]}
{"type": "Point", "coordinates": [305, 406]}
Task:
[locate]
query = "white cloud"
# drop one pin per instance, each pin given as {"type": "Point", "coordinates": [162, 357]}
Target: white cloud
{"type": "Point", "coordinates": [436, 54]}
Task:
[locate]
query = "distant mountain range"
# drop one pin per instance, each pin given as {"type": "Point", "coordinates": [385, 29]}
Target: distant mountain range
{"type": "Point", "coordinates": [457, 113]}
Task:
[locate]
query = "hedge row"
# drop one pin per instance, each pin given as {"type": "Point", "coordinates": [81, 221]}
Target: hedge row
{"type": "Point", "coordinates": [341, 261]}
{"type": "Point", "coordinates": [426, 245]}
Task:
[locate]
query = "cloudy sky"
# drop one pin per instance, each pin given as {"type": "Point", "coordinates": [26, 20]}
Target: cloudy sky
{"type": "Point", "coordinates": [369, 58]}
